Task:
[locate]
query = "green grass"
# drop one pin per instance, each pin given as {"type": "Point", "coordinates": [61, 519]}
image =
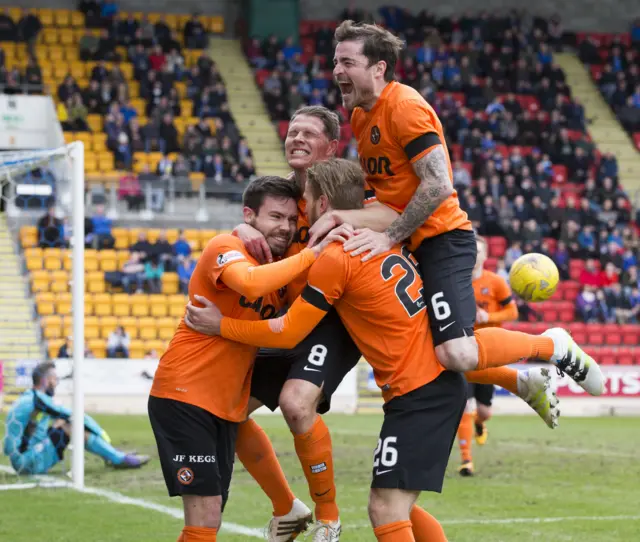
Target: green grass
{"type": "Point", "coordinates": [585, 468]}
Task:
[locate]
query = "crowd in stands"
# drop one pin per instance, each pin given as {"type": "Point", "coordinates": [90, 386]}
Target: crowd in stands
{"type": "Point", "coordinates": [24, 30]}
{"type": "Point", "coordinates": [615, 67]}
{"type": "Point", "coordinates": [523, 163]}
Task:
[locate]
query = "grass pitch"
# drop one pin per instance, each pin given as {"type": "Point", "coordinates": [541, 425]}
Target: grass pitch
{"type": "Point", "coordinates": [576, 483]}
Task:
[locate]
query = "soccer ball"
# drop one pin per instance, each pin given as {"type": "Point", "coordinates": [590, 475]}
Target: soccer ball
{"type": "Point", "coordinates": [534, 277]}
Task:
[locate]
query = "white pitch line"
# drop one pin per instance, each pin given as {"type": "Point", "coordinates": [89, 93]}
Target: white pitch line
{"type": "Point", "coordinates": [46, 481]}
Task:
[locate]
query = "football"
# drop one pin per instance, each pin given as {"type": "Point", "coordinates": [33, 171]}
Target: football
{"type": "Point", "coordinates": [534, 277]}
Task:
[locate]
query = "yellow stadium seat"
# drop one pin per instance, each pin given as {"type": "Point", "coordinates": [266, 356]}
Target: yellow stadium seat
{"type": "Point", "coordinates": [59, 285]}
{"type": "Point", "coordinates": [96, 124]}
{"type": "Point", "coordinates": [158, 305]}
{"type": "Point", "coordinates": [107, 325]}
{"type": "Point", "coordinates": [172, 235]}
{"type": "Point", "coordinates": [136, 349]}
{"type": "Point", "coordinates": [40, 281]}
{"type": "Point", "coordinates": [147, 328]}
{"type": "Point", "coordinates": [166, 328]}
{"type": "Point", "coordinates": [63, 304]}
{"type": "Point", "coordinates": [91, 328]}
{"type": "Point", "coordinates": [52, 327]}
{"type": "Point", "coordinates": [121, 235]}
{"type": "Point", "coordinates": [108, 260]}
{"type": "Point", "coordinates": [71, 55]}
{"type": "Point", "coordinates": [46, 16]}
{"type": "Point", "coordinates": [34, 263]}
{"type": "Point", "coordinates": [130, 325]}
{"type": "Point", "coordinates": [196, 255]}
{"type": "Point", "coordinates": [106, 163]}
{"type": "Point", "coordinates": [77, 19]}
{"type": "Point", "coordinates": [45, 296]}
{"type": "Point", "coordinates": [60, 70]}
{"type": "Point", "coordinates": [170, 283]}
{"type": "Point", "coordinates": [67, 259]}
{"type": "Point", "coordinates": [206, 236]}
{"type": "Point", "coordinates": [121, 304]}
{"type": "Point", "coordinates": [193, 237]}
{"type": "Point", "coordinates": [90, 260]}
{"type": "Point", "coordinates": [102, 305]}
{"type": "Point", "coordinates": [98, 348]}
{"type": "Point", "coordinates": [95, 282]}
{"type": "Point", "coordinates": [49, 36]}
{"type": "Point", "coordinates": [67, 326]}
{"type": "Point", "coordinates": [53, 347]}
{"type": "Point", "coordinates": [45, 308]}
{"type": "Point", "coordinates": [139, 305]}
{"type": "Point", "coordinates": [53, 259]}
{"type": "Point", "coordinates": [56, 54]}
{"type": "Point", "coordinates": [177, 311]}
{"type": "Point", "coordinates": [127, 70]}
{"type": "Point", "coordinates": [62, 17]}
{"type": "Point", "coordinates": [216, 25]}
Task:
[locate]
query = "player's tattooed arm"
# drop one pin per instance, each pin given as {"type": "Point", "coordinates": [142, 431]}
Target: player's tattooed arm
{"type": "Point", "coordinates": [434, 188]}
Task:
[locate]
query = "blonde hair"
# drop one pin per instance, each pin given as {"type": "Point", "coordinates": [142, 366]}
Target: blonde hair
{"type": "Point", "coordinates": [378, 44]}
{"type": "Point", "coordinates": [340, 180]}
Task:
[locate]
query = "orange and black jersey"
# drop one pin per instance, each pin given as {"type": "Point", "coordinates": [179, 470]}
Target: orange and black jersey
{"type": "Point", "coordinates": [400, 129]}
{"type": "Point", "coordinates": [381, 306]}
{"type": "Point", "coordinates": [494, 296]}
{"type": "Point", "coordinates": [211, 372]}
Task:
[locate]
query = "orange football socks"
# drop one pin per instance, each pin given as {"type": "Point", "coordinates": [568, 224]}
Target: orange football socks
{"type": "Point", "coordinates": [398, 531]}
{"type": "Point", "coordinates": [316, 457]}
{"type": "Point", "coordinates": [505, 377]}
{"type": "Point", "coordinates": [465, 436]}
{"type": "Point", "coordinates": [425, 527]}
{"type": "Point", "coordinates": [256, 453]}
{"type": "Point", "coordinates": [198, 534]}
{"type": "Point", "coordinates": [498, 347]}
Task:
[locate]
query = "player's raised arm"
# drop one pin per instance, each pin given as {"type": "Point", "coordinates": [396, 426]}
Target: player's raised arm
{"type": "Point", "coordinates": [416, 130]}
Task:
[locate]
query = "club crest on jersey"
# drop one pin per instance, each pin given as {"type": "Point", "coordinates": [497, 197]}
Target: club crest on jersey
{"type": "Point", "coordinates": [230, 256]}
{"type": "Point", "coordinates": [375, 135]}
{"type": "Point", "coordinates": [485, 291]}
{"type": "Point", "coordinates": [185, 476]}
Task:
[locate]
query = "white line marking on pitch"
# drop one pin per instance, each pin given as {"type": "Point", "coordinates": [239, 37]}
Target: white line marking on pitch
{"type": "Point", "coordinates": [46, 481]}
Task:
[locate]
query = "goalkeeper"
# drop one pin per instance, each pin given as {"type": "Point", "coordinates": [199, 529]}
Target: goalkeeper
{"type": "Point", "coordinates": [38, 431]}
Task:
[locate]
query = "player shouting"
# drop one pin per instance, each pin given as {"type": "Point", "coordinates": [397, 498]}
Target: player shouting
{"type": "Point", "coordinates": [403, 151]}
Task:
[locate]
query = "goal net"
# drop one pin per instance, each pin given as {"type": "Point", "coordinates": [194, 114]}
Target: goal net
{"type": "Point", "coordinates": [22, 181]}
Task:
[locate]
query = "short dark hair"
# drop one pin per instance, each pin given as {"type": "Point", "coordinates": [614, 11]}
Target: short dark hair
{"type": "Point", "coordinates": [41, 371]}
{"type": "Point", "coordinates": [378, 44]}
{"type": "Point", "coordinates": [269, 185]}
{"type": "Point", "coordinates": [329, 118]}
{"type": "Point", "coordinates": [340, 180]}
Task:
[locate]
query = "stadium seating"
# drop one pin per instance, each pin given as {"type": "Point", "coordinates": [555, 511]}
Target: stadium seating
{"type": "Point", "coordinates": [150, 319]}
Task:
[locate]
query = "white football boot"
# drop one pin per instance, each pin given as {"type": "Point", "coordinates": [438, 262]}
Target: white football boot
{"type": "Point", "coordinates": [535, 388]}
{"type": "Point", "coordinates": [575, 362]}
{"type": "Point", "coordinates": [321, 531]}
{"type": "Point", "coordinates": [288, 527]}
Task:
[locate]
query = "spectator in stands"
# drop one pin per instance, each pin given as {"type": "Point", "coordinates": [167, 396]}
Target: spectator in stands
{"type": "Point", "coordinates": [186, 267]}
{"type": "Point", "coordinates": [195, 35]}
{"type": "Point", "coordinates": [133, 274]}
{"type": "Point", "coordinates": [33, 77]}
{"type": "Point", "coordinates": [129, 190]}
{"type": "Point", "coordinates": [122, 153]}
{"type": "Point", "coordinates": [50, 231]}
{"type": "Point", "coordinates": [67, 89]}
{"type": "Point", "coordinates": [589, 276]}
{"type": "Point", "coordinates": [8, 29]}
{"type": "Point", "coordinates": [181, 248]}
{"type": "Point", "coordinates": [153, 271]}
{"type": "Point", "coordinates": [77, 112]}
{"type": "Point", "coordinates": [29, 27]}
{"type": "Point", "coordinates": [168, 135]}
{"type": "Point", "coordinates": [118, 343]}
{"type": "Point", "coordinates": [143, 247]}
{"type": "Point", "coordinates": [108, 12]}
{"type": "Point", "coordinates": [512, 254]}
{"type": "Point", "coordinates": [101, 236]}
{"type": "Point", "coordinates": [163, 251]}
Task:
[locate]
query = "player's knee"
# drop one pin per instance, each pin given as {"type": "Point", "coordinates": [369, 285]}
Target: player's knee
{"type": "Point", "coordinates": [458, 355]}
{"type": "Point", "coordinates": [298, 402]}
{"type": "Point", "coordinates": [387, 506]}
{"type": "Point", "coordinates": [202, 511]}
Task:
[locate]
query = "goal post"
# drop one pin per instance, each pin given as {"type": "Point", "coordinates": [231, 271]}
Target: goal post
{"type": "Point", "coordinates": [68, 164]}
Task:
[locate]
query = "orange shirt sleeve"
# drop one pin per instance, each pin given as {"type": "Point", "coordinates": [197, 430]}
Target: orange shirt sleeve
{"type": "Point", "coordinates": [327, 279]}
{"type": "Point", "coordinates": [505, 299]}
{"type": "Point", "coordinates": [414, 126]}
{"type": "Point", "coordinates": [256, 280]}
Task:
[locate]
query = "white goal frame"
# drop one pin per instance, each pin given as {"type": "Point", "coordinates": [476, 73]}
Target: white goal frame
{"type": "Point", "coordinates": [14, 163]}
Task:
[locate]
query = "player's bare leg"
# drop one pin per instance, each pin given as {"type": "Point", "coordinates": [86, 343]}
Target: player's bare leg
{"type": "Point", "coordinates": [392, 512]}
{"type": "Point", "coordinates": [255, 451]}
{"type": "Point", "coordinates": [496, 347]}
{"type": "Point", "coordinates": [299, 401]}
{"type": "Point", "coordinates": [202, 517]}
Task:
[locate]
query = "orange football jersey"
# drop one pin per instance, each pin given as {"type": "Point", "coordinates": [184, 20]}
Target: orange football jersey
{"type": "Point", "coordinates": [211, 372]}
{"type": "Point", "coordinates": [380, 303]}
{"type": "Point", "coordinates": [400, 129]}
{"type": "Point", "coordinates": [493, 295]}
